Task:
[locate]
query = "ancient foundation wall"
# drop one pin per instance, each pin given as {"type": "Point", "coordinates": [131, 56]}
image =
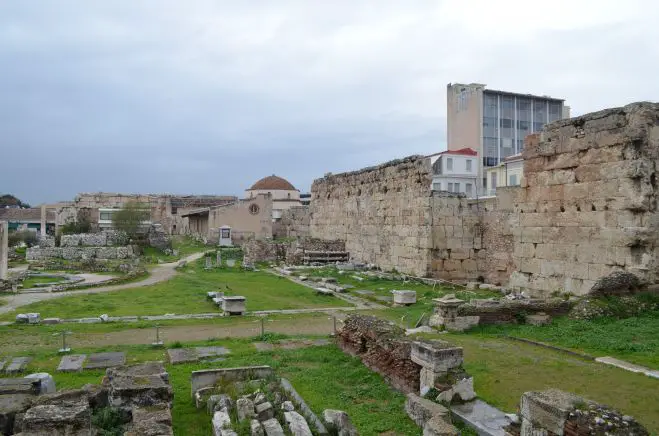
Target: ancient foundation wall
{"type": "Point", "coordinates": [383, 348]}
{"type": "Point", "coordinates": [589, 202]}
{"type": "Point", "coordinates": [382, 213]}
{"type": "Point", "coordinates": [294, 223]}
{"type": "Point", "coordinates": [79, 253]}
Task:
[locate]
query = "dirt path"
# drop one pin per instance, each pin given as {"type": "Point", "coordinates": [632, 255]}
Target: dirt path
{"type": "Point", "coordinates": [159, 273]}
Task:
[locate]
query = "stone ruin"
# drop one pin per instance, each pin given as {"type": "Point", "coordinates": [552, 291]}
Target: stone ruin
{"type": "Point", "coordinates": [84, 246]}
{"type": "Point", "coordinates": [254, 398]}
{"type": "Point", "coordinates": [439, 390]}
{"type": "Point", "coordinates": [134, 399]}
{"type": "Point", "coordinates": [455, 314]}
{"type": "Point", "coordinates": [408, 365]}
{"type": "Point", "coordinates": [302, 251]}
{"type": "Point", "coordinates": [556, 412]}
{"type": "Point", "coordinates": [230, 304]}
{"type": "Point", "coordinates": [586, 208]}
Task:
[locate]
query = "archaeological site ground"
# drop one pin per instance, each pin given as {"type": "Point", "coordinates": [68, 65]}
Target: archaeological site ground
{"type": "Point", "coordinates": [383, 307]}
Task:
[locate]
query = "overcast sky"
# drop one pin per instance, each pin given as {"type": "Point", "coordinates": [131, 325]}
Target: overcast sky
{"type": "Point", "coordinates": [208, 96]}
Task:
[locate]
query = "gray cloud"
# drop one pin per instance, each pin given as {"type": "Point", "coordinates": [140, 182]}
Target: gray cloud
{"type": "Point", "coordinates": [167, 96]}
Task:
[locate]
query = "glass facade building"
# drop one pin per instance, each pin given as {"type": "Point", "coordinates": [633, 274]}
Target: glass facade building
{"type": "Point", "coordinates": [508, 118]}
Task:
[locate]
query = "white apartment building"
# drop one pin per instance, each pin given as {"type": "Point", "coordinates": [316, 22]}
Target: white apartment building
{"type": "Point", "coordinates": [455, 171]}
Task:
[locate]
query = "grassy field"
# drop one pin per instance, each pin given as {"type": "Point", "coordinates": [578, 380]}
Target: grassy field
{"type": "Point", "coordinates": [324, 376]}
{"type": "Point", "coordinates": [186, 293]}
{"type": "Point", "coordinates": [635, 339]}
{"type": "Point", "coordinates": [31, 282]}
{"type": "Point", "coordinates": [185, 246]}
{"type": "Point", "coordinates": [504, 369]}
{"type": "Point", "coordinates": [383, 287]}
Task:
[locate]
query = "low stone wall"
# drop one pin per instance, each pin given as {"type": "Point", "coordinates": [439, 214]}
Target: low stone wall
{"type": "Point", "coordinates": [101, 239]}
{"type": "Point", "coordinates": [505, 311]}
{"type": "Point", "coordinates": [80, 253]}
{"type": "Point", "coordinates": [383, 348]}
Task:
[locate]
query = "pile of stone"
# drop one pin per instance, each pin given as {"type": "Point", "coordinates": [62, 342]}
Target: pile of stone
{"type": "Point", "coordinates": [557, 412]}
{"type": "Point", "coordinates": [140, 396]}
{"type": "Point", "coordinates": [266, 405]}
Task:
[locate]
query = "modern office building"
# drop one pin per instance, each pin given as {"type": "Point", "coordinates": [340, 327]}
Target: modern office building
{"type": "Point", "coordinates": [494, 123]}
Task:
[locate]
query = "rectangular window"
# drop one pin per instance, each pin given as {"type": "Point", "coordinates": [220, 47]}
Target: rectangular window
{"type": "Point", "coordinates": [436, 186]}
{"type": "Point", "coordinates": [174, 210]}
{"type": "Point", "coordinates": [513, 180]}
{"type": "Point", "coordinates": [493, 179]}
{"type": "Point", "coordinates": [106, 216]}
{"type": "Point", "coordinates": [468, 165]}
{"type": "Point", "coordinates": [456, 187]}
{"type": "Point", "coordinates": [449, 164]}
{"type": "Point", "coordinates": [468, 189]}
{"type": "Point", "coordinates": [450, 187]}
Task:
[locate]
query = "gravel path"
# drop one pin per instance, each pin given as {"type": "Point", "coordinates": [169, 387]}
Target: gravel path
{"type": "Point", "coordinates": [159, 273]}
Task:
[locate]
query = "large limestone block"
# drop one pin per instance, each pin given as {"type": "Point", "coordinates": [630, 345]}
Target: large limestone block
{"type": "Point", "coordinates": [70, 417]}
{"type": "Point", "coordinates": [438, 426]}
{"type": "Point", "coordinates": [547, 409]}
{"type": "Point", "coordinates": [421, 410]}
{"type": "Point", "coordinates": [436, 355]}
{"type": "Point", "coordinates": [340, 421]}
{"type": "Point", "coordinates": [297, 425]}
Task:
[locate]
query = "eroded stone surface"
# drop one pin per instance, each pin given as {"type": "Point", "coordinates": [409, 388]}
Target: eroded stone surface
{"type": "Point", "coordinates": [71, 363]}
{"type": "Point", "coordinates": [340, 421]}
{"type": "Point", "coordinates": [272, 428]}
{"type": "Point", "coordinates": [105, 360]}
{"type": "Point", "coordinates": [17, 364]}
{"type": "Point", "coordinates": [71, 417]}
{"type": "Point", "coordinates": [421, 410]}
{"type": "Point", "coordinates": [297, 425]}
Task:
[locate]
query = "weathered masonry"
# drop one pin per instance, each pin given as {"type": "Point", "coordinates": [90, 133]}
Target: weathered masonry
{"type": "Point", "coordinates": [587, 207]}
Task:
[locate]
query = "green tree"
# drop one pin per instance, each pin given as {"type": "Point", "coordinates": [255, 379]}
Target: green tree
{"type": "Point", "coordinates": [10, 200]}
{"type": "Point", "coordinates": [130, 219]}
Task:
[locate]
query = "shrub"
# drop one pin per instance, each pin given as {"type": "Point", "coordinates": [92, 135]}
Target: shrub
{"type": "Point", "coordinates": [26, 237]}
{"type": "Point", "coordinates": [83, 225]}
{"type": "Point", "coordinates": [108, 421]}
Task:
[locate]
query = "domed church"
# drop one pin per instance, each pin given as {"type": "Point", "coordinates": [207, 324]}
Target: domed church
{"type": "Point", "coordinates": [283, 193]}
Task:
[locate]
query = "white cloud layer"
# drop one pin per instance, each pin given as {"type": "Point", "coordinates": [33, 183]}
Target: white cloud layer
{"type": "Point", "coordinates": [208, 96]}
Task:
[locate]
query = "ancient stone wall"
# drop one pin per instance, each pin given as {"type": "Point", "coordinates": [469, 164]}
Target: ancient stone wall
{"type": "Point", "coordinates": [79, 253]}
{"type": "Point", "coordinates": [383, 348]}
{"type": "Point", "coordinates": [382, 213]}
{"type": "Point", "coordinates": [588, 205]}
{"type": "Point", "coordinates": [294, 223]}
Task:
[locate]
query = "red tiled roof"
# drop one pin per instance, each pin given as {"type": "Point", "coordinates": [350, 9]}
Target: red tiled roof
{"type": "Point", "coordinates": [272, 182]}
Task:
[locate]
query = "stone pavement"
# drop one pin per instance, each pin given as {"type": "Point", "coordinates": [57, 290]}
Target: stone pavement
{"type": "Point", "coordinates": [184, 355]}
{"type": "Point", "coordinates": [485, 419]}
{"type": "Point", "coordinates": [628, 366]}
{"type": "Point", "coordinates": [159, 273]}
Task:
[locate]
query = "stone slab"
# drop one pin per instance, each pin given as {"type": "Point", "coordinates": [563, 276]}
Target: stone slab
{"type": "Point", "coordinates": [182, 355]}
{"type": "Point", "coordinates": [18, 386]}
{"type": "Point", "coordinates": [364, 292]}
{"type": "Point", "coordinates": [273, 428]}
{"type": "Point", "coordinates": [485, 419]}
{"type": "Point", "coordinates": [105, 360]}
{"type": "Point", "coordinates": [17, 364]}
{"type": "Point", "coordinates": [384, 298]}
{"type": "Point", "coordinates": [627, 366]}
{"type": "Point", "coordinates": [72, 363]}
{"type": "Point", "coordinates": [264, 346]}
{"type": "Point", "coordinates": [205, 352]}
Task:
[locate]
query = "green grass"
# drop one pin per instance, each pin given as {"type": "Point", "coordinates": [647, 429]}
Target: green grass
{"type": "Point", "coordinates": [382, 287]}
{"type": "Point", "coordinates": [186, 293]}
{"type": "Point", "coordinates": [634, 339]}
{"type": "Point", "coordinates": [324, 376]}
{"type": "Point", "coordinates": [504, 369]}
{"type": "Point", "coordinates": [32, 282]}
{"type": "Point", "coordinates": [184, 244]}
